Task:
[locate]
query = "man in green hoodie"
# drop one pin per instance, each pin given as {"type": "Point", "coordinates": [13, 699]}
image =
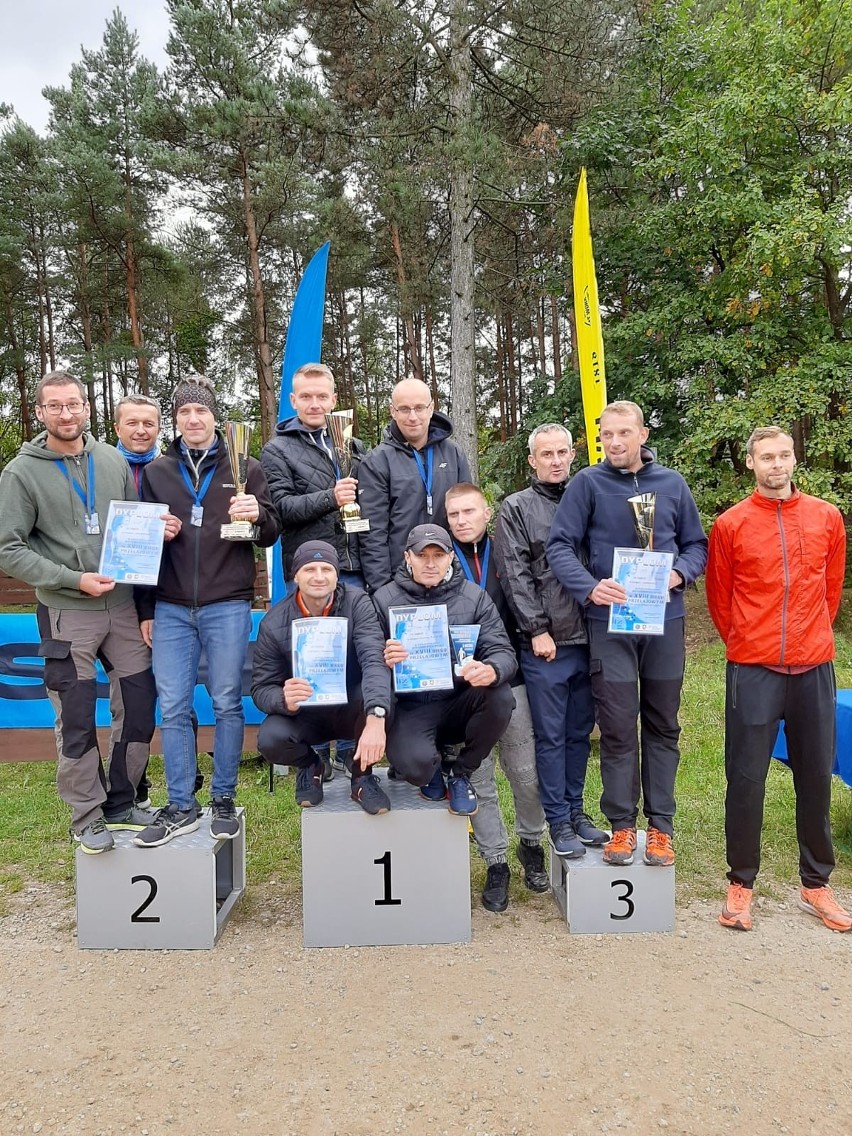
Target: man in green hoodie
{"type": "Point", "coordinates": [54, 500]}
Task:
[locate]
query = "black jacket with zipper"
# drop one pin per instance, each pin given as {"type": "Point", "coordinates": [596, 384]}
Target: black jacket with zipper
{"type": "Point", "coordinates": [198, 567]}
{"type": "Point", "coordinates": [301, 478]}
{"type": "Point", "coordinates": [539, 603]}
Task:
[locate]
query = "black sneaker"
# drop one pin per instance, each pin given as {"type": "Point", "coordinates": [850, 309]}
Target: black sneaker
{"type": "Point", "coordinates": [369, 794]}
{"type": "Point", "coordinates": [587, 830]}
{"type": "Point", "coordinates": [495, 894]}
{"type": "Point", "coordinates": [309, 785]}
{"type": "Point", "coordinates": [224, 824]}
{"type": "Point", "coordinates": [531, 859]}
{"type": "Point", "coordinates": [167, 824]}
{"type": "Point", "coordinates": [566, 841]}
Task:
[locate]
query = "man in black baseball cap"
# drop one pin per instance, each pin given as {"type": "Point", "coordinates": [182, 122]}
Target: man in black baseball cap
{"type": "Point", "coordinates": [475, 711]}
{"type": "Point", "coordinates": [296, 721]}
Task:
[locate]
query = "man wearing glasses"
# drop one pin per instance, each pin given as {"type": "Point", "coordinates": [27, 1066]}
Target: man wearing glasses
{"type": "Point", "coordinates": [54, 499]}
{"type": "Point", "coordinates": [402, 482]}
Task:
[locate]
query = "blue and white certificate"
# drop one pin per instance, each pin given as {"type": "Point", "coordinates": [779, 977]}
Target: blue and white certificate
{"type": "Point", "coordinates": [133, 542]}
{"type": "Point", "coordinates": [644, 574]}
{"type": "Point", "coordinates": [425, 634]}
{"type": "Point", "coordinates": [464, 637]}
{"type": "Point", "coordinates": [319, 655]}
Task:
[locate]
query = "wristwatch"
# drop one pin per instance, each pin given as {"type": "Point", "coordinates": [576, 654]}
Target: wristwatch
{"type": "Point", "coordinates": [377, 712]}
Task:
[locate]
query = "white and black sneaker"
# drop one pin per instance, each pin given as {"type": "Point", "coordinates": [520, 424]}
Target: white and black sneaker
{"type": "Point", "coordinates": [167, 824]}
{"type": "Point", "coordinates": [224, 824]}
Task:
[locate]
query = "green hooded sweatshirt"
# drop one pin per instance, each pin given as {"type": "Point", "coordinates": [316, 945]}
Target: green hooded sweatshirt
{"type": "Point", "coordinates": [43, 539]}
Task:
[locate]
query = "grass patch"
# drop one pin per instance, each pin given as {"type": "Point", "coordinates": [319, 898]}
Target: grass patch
{"type": "Point", "coordinates": [34, 843]}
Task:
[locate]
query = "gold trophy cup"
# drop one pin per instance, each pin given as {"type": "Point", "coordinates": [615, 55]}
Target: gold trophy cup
{"type": "Point", "coordinates": [237, 438]}
{"type": "Point", "coordinates": [644, 508]}
{"type": "Point", "coordinates": [339, 426]}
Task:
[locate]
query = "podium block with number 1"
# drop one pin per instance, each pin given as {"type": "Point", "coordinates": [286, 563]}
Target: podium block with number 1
{"type": "Point", "coordinates": [399, 878]}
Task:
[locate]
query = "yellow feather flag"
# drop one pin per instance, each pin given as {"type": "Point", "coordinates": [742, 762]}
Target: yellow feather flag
{"type": "Point", "coordinates": [587, 317]}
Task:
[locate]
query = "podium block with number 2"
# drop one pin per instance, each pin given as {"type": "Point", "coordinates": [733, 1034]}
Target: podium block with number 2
{"type": "Point", "coordinates": [177, 897]}
{"type": "Point", "coordinates": [600, 899]}
{"type": "Point", "coordinates": [399, 878]}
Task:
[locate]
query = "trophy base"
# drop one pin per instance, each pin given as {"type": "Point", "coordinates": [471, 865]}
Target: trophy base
{"type": "Point", "coordinates": [239, 530]}
{"type": "Point", "coordinates": [356, 525]}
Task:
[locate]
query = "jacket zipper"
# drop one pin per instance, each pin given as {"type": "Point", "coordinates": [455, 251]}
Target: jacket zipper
{"type": "Point", "coordinates": [786, 586]}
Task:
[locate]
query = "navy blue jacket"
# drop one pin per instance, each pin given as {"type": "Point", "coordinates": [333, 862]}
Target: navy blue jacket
{"type": "Point", "coordinates": [393, 498]}
{"type": "Point", "coordinates": [593, 518]}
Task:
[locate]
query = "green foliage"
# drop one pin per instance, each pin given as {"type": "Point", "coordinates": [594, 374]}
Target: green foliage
{"type": "Point", "coordinates": [721, 190]}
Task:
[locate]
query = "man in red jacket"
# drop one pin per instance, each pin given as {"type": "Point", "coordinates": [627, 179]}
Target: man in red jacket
{"type": "Point", "coordinates": [774, 582]}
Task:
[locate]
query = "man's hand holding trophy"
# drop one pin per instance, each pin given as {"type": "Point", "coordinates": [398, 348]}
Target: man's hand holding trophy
{"type": "Point", "coordinates": [244, 509]}
{"type": "Point", "coordinates": [338, 423]}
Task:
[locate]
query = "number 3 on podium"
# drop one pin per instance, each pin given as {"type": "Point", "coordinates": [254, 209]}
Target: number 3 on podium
{"type": "Point", "coordinates": [624, 898]}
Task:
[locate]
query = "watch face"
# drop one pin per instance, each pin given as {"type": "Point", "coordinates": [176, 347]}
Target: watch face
{"type": "Point", "coordinates": [378, 711]}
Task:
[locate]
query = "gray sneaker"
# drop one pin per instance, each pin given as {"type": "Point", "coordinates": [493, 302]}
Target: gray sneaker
{"type": "Point", "coordinates": [94, 838]}
{"type": "Point", "coordinates": [167, 824]}
{"type": "Point", "coordinates": [225, 824]}
{"type": "Point", "coordinates": [135, 819]}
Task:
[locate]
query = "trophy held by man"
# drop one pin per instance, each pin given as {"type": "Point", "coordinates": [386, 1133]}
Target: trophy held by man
{"type": "Point", "coordinates": [237, 440]}
{"type": "Point", "coordinates": [338, 423]}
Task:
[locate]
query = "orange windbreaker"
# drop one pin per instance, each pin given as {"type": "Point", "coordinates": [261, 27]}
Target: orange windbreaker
{"type": "Point", "coordinates": [775, 579]}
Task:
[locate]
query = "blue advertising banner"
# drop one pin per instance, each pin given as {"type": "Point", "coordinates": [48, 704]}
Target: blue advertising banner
{"type": "Point", "coordinates": [23, 699]}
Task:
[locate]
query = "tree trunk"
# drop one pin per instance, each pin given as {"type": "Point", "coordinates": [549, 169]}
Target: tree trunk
{"type": "Point", "coordinates": [412, 350]}
{"type": "Point", "coordinates": [20, 372]}
{"type": "Point", "coordinates": [462, 313]}
{"type": "Point", "coordinates": [430, 348]}
{"type": "Point", "coordinates": [373, 423]}
{"type": "Point", "coordinates": [48, 304]}
{"type": "Point", "coordinates": [557, 340]}
{"type": "Point", "coordinates": [266, 382]}
{"type": "Point", "coordinates": [500, 367]}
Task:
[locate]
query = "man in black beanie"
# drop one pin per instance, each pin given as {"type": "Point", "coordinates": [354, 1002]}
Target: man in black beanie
{"type": "Point", "coordinates": [203, 601]}
{"type": "Point", "coordinates": [297, 720]}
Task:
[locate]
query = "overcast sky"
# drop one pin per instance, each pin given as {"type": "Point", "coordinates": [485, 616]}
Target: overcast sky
{"type": "Point", "coordinates": [41, 39]}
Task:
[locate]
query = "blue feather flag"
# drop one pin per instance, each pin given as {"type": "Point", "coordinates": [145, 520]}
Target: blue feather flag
{"type": "Point", "coordinates": [304, 345]}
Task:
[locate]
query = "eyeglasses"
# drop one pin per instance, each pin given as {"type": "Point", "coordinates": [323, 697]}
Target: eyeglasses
{"type": "Point", "coordinates": [73, 407]}
{"type": "Point", "coordinates": [407, 411]}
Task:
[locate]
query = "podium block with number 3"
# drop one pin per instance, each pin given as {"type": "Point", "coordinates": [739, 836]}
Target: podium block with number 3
{"type": "Point", "coordinates": [403, 877]}
{"type": "Point", "coordinates": [599, 899]}
{"type": "Point", "coordinates": [177, 897]}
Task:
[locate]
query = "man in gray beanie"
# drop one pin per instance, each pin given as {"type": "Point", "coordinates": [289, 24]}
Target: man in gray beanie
{"type": "Point", "coordinates": [297, 721]}
{"type": "Point", "coordinates": [203, 602]}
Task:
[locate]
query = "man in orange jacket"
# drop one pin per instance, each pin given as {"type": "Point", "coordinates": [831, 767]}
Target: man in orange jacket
{"type": "Point", "coordinates": [774, 582]}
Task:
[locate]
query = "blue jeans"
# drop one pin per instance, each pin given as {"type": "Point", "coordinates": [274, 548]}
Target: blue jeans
{"type": "Point", "coordinates": [563, 715]}
{"type": "Point", "coordinates": [180, 633]}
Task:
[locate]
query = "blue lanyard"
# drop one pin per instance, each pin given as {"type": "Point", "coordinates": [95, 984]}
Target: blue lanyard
{"type": "Point", "coordinates": [426, 475]}
{"type": "Point", "coordinates": [197, 494]}
{"type": "Point", "coordinates": [466, 567]}
{"type": "Point", "coordinates": [87, 496]}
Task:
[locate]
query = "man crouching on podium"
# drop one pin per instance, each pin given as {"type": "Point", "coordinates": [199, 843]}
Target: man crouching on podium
{"type": "Point", "coordinates": [307, 709]}
{"type": "Point", "coordinates": [475, 708]}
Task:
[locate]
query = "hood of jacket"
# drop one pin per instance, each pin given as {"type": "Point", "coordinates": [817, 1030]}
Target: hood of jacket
{"type": "Point", "coordinates": [37, 448]}
{"type": "Point", "coordinates": [439, 594]}
{"type": "Point", "coordinates": [440, 428]}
